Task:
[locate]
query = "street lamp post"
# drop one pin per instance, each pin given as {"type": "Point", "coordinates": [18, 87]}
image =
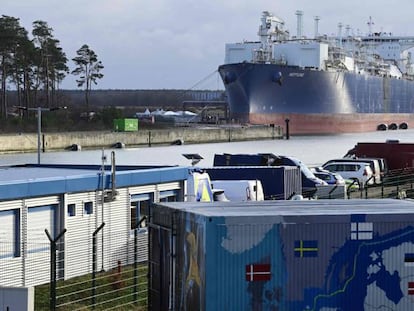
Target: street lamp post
{"type": "Point", "coordinates": [39, 132]}
{"type": "Point", "coordinates": [39, 124]}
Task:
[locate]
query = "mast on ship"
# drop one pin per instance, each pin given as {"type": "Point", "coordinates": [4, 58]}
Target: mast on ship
{"type": "Point", "coordinates": [299, 31]}
{"type": "Point", "coordinates": [317, 19]}
{"type": "Point", "coordinates": [370, 23]}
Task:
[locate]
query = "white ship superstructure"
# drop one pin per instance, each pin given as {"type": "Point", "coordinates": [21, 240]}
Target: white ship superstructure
{"type": "Point", "coordinates": [378, 53]}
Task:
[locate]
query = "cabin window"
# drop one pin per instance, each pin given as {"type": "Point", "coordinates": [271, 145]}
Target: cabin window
{"type": "Point", "coordinates": [139, 214]}
{"type": "Point", "coordinates": [140, 205]}
{"type": "Point", "coordinates": [169, 196]}
{"type": "Point", "coordinates": [88, 208]}
{"type": "Point", "coordinates": [10, 233]}
{"type": "Point", "coordinates": [71, 210]}
{"type": "Point", "coordinates": [169, 199]}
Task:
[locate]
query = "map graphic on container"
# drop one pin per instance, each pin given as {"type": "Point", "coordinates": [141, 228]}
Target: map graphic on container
{"type": "Point", "coordinates": [319, 255]}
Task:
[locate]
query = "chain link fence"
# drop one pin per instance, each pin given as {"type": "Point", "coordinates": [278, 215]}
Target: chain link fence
{"type": "Point", "coordinates": [111, 274]}
{"type": "Point", "coordinates": [398, 184]}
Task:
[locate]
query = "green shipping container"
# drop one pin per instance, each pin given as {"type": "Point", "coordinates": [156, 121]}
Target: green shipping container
{"type": "Point", "coordinates": [125, 125]}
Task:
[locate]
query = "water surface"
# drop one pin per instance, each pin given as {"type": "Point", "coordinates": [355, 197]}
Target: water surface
{"type": "Point", "coordinates": [312, 150]}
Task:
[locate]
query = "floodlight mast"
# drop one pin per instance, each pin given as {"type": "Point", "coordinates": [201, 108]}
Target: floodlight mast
{"type": "Point", "coordinates": [39, 123]}
{"type": "Point", "coordinates": [194, 157]}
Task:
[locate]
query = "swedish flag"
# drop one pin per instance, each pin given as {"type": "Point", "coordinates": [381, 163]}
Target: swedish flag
{"type": "Point", "coordinates": [306, 248]}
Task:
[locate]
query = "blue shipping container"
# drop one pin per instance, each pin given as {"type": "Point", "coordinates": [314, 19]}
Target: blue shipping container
{"type": "Point", "coordinates": [282, 255]}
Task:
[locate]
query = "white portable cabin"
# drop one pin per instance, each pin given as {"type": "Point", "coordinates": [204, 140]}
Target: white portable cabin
{"type": "Point", "coordinates": [78, 199]}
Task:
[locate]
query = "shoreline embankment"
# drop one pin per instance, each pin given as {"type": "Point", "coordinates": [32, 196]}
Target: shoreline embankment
{"type": "Point", "coordinates": [29, 142]}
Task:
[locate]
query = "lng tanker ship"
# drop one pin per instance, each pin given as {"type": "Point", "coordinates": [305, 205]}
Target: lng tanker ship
{"type": "Point", "coordinates": [344, 83]}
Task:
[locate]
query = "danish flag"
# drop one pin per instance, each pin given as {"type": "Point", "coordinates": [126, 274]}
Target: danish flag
{"type": "Point", "coordinates": [409, 259]}
{"type": "Point", "coordinates": [258, 272]}
{"type": "Point", "coordinates": [410, 288]}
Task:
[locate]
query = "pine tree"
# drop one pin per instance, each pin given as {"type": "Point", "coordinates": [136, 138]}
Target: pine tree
{"type": "Point", "coordinates": [88, 69]}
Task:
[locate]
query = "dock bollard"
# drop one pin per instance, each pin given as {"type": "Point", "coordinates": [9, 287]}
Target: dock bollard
{"type": "Point", "coordinates": [287, 128]}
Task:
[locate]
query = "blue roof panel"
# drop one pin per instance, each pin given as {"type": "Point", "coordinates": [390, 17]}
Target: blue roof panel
{"type": "Point", "coordinates": [39, 180]}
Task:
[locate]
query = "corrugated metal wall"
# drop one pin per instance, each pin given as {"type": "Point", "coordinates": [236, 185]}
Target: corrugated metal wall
{"type": "Point", "coordinates": [117, 229]}
{"type": "Point", "coordinates": [10, 267]}
{"type": "Point", "coordinates": [78, 237]}
{"type": "Point", "coordinates": [240, 247]}
{"type": "Point", "coordinates": [29, 264]}
{"type": "Point", "coordinates": [295, 262]}
{"type": "Point", "coordinates": [293, 181]}
{"type": "Point", "coordinates": [40, 214]}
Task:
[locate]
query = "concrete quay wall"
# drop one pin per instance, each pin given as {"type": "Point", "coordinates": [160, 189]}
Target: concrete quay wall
{"type": "Point", "coordinates": [28, 142]}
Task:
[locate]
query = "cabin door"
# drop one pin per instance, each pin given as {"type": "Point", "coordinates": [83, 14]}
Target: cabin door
{"type": "Point", "coordinates": [160, 261]}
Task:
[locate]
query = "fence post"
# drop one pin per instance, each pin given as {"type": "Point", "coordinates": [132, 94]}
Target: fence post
{"type": "Point", "coordinates": [138, 225]}
{"type": "Point", "coordinates": [94, 264]}
{"type": "Point", "coordinates": [52, 298]}
{"type": "Point", "coordinates": [287, 129]}
{"type": "Point", "coordinates": [398, 184]}
{"type": "Point", "coordinates": [135, 265]}
{"type": "Point", "coordinates": [332, 190]}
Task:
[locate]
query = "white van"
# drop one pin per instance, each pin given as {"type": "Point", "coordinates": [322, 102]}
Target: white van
{"type": "Point", "coordinates": [360, 171]}
{"type": "Point", "coordinates": [240, 190]}
{"type": "Point", "coordinates": [373, 163]}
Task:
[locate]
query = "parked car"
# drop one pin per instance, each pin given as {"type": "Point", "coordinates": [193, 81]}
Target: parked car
{"type": "Point", "coordinates": [331, 178]}
{"type": "Point", "coordinates": [375, 165]}
{"type": "Point", "coordinates": [359, 171]}
{"type": "Point", "coordinates": [382, 164]}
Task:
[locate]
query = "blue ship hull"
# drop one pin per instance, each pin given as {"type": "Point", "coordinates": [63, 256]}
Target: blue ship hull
{"type": "Point", "coordinates": [270, 93]}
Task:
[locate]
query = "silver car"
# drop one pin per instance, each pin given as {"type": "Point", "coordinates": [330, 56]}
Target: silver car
{"type": "Point", "coordinates": [360, 171]}
{"type": "Point", "coordinates": [331, 178]}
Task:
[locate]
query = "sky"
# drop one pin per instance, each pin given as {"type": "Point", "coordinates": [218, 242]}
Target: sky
{"type": "Point", "coordinates": [179, 44]}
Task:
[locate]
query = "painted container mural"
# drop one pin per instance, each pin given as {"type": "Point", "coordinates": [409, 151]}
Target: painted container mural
{"type": "Point", "coordinates": [282, 255]}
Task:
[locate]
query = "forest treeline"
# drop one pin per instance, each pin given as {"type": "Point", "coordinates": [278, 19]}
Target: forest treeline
{"type": "Point", "coordinates": [140, 99]}
{"type": "Point", "coordinates": [35, 65]}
